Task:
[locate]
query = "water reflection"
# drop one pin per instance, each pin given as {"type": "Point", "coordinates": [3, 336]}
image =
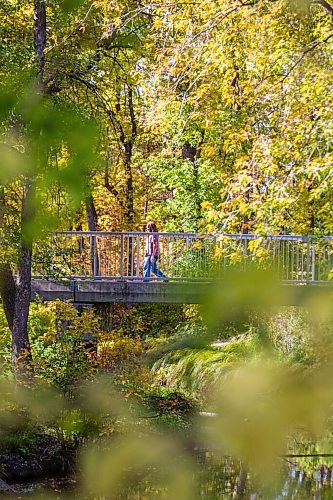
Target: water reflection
{"type": "Point", "coordinates": [217, 477]}
{"type": "Point", "coordinates": [222, 477]}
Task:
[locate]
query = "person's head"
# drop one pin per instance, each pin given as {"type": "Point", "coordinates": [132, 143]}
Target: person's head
{"type": "Point", "coordinates": [151, 227]}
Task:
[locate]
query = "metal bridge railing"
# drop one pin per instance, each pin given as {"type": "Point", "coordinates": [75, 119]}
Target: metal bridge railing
{"type": "Point", "coordinates": [184, 256]}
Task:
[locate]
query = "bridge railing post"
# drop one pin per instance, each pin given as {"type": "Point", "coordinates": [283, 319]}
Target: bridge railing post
{"type": "Point", "coordinates": [313, 262]}
{"type": "Point", "coordinates": [185, 256]}
{"type": "Point", "coordinates": [51, 255]}
{"type": "Point", "coordinates": [308, 258]}
{"type": "Point", "coordinates": [121, 256]}
{"type": "Point", "coordinates": [94, 260]}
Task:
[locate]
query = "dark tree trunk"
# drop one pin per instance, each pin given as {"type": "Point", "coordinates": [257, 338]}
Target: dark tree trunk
{"type": "Point", "coordinates": [126, 141]}
{"type": "Point", "coordinates": [21, 352]}
{"type": "Point", "coordinates": [16, 296]}
{"type": "Point", "coordinates": [129, 192]}
{"type": "Point", "coordinates": [16, 292]}
{"type": "Point", "coordinates": [7, 293]}
{"type": "Point", "coordinates": [312, 218]}
{"type": "Point", "coordinates": [189, 152]}
{"type": "Point", "coordinates": [92, 217]}
{"type": "Point", "coordinates": [192, 153]}
{"type": "Point", "coordinates": [129, 144]}
{"type": "Point", "coordinates": [104, 311]}
{"type": "Point", "coordinates": [92, 220]}
{"type": "Point", "coordinates": [245, 225]}
{"type": "Point", "coordinates": [40, 37]}
{"type": "Point", "coordinates": [7, 284]}
{"type": "Point", "coordinates": [247, 220]}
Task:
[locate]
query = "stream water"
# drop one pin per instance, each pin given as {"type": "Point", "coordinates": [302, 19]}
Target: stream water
{"type": "Point", "coordinates": [218, 478]}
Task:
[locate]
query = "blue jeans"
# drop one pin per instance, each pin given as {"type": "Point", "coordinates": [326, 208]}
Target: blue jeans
{"type": "Point", "coordinates": [150, 266]}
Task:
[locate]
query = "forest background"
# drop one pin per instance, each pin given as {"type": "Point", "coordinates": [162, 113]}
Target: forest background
{"type": "Point", "coordinates": [210, 116]}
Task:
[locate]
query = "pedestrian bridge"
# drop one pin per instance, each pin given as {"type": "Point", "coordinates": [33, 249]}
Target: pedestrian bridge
{"type": "Point", "coordinates": [89, 267]}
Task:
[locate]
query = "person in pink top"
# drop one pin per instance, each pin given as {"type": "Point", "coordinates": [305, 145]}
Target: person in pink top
{"type": "Point", "coordinates": [152, 252]}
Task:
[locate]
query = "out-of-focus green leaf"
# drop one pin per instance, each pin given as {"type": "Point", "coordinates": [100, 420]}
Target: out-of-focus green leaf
{"type": "Point", "coordinates": [12, 163]}
{"type": "Point", "coordinates": [70, 5]}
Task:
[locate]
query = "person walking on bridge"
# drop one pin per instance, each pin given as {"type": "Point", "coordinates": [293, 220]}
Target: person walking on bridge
{"type": "Point", "coordinates": [152, 252]}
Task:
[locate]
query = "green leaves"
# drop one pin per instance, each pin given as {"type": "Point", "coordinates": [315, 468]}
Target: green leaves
{"type": "Point", "coordinates": [69, 6]}
{"type": "Point", "coordinates": [12, 163]}
{"type": "Point", "coordinates": [51, 142]}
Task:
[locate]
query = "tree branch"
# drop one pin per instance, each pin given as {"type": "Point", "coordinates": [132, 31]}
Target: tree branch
{"type": "Point", "coordinates": [325, 5]}
{"type": "Point", "coordinates": [304, 53]}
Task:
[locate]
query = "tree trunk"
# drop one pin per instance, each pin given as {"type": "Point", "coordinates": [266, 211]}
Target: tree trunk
{"type": "Point", "coordinates": [129, 191]}
{"type": "Point", "coordinates": [7, 293]}
{"type": "Point", "coordinates": [126, 141]}
{"type": "Point", "coordinates": [247, 220]}
{"type": "Point", "coordinates": [129, 204]}
{"type": "Point", "coordinates": [21, 352]}
{"type": "Point", "coordinates": [245, 225]}
{"type": "Point", "coordinates": [92, 217]}
{"type": "Point", "coordinates": [40, 37]}
{"type": "Point", "coordinates": [104, 311]}
{"type": "Point", "coordinates": [7, 283]}
{"type": "Point", "coordinates": [311, 211]}
{"type": "Point", "coordinates": [192, 153]}
{"type": "Point", "coordinates": [16, 294]}
{"type": "Point", "coordinates": [92, 220]}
